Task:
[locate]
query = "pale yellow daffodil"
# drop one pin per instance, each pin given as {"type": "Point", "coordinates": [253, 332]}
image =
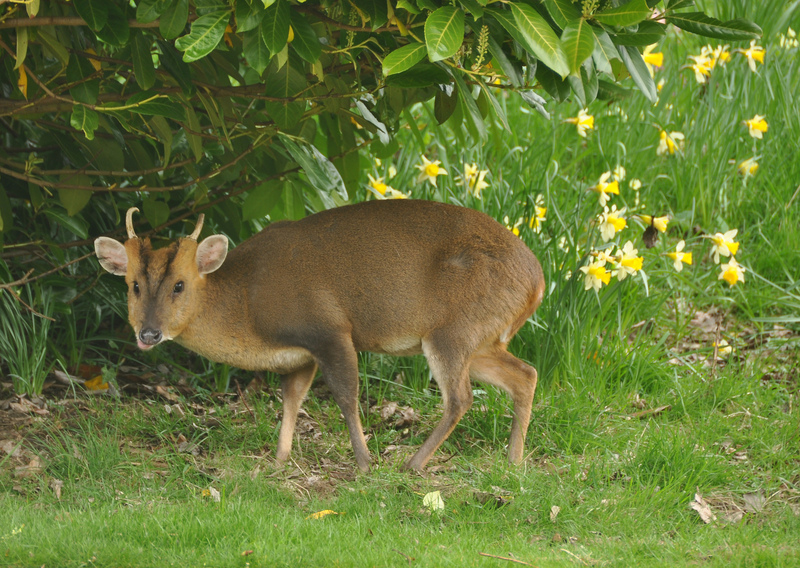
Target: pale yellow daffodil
{"type": "Point", "coordinates": [604, 188]}
{"type": "Point", "coordinates": [596, 275]}
{"type": "Point", "coordinates": [611, 222]}
{"type": "Point", "coordinates": [757, 126]}
{"type": "Point", "coordinates": [628, 261]}
{"type": "Point", "coordinates": [583, 122]}
{"type": "Point", "coordinates": [652, 59]}
{"type": "Point", "coordinates": [748, 168]}
{"type": "Point", "coordinates": [753, 53]}
{"type": "Point", "coordinates": [668, 143]}
{"type": "Point", "coordinates": [660, 223]}
{"type": "Point", "coordinates": [723, 244]}
{"type": "Point", "coordinates": [732, 272]}
{"type": "Point", "coordinates": [430, 171]}
{"type": "Point", "coordinates": [679, 256]}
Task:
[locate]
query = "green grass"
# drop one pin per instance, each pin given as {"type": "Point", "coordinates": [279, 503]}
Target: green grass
{"type": "Point", "coordinates": [134, 474]}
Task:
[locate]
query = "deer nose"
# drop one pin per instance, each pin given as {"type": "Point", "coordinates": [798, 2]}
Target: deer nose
{"type": "Point", "coordinates": [149, 336]}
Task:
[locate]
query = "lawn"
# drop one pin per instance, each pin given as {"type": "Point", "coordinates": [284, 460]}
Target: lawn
{"type": "Point", "coordinates": [665, 428]}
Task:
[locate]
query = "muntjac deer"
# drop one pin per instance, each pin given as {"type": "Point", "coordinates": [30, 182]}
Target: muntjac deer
{"type": "Point", "coordinates": [399, 277]}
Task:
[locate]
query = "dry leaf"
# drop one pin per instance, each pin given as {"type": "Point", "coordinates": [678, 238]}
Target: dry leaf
{"type": "Point", "coordinates": [754, 502]}
{"type": "Point", "coordinates": [554, 511]}
{"type": "Point", "coordinates": [34, 467]}
{"type": "Point", "coordinates": [703, 509]}
{"type": "Point", "coordinates": [56, 485]}
{"type": "Point", "coordinates": [433, 501]}
{"type": "Point", "coordinates": [11, 447]}
{"type": "Point", "coordinates": [651, 412]}
{"type": "Point", "coordinates": [214, 495]}
{"type": "Point", "coordinates": [320, 514]}
{"type": "Point", "coordinates": [166, 394]}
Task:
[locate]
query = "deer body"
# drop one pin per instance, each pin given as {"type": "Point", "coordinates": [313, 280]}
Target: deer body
{"type": "Point", "coordinates": [399, 277]}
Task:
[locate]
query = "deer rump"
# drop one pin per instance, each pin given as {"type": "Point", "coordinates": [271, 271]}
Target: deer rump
{"type": "Point", "coordinates": [399, 277]}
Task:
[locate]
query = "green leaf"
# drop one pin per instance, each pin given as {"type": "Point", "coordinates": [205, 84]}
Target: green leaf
{"type": "Point", "coordinates": [84, 119]}
{"type": "Point", "coordinates": [563, 12]}
{"type": "Point", "coordinates": [160, 106]}
{"type": "Point", "coordinates": [626, 15]}
{"type": "Point", "coordinates": [404, 58]}
{"type": "Point", "coordinates": [420, 76]}
{"type": "Point", "coordinates": [284, 83]}
{"type": "Point", "coordinates": [249, 14]}
{"type": "Point", "coordinates": [608, 91]}
{"type": "Point", "coordinates": [305, 43]}
{"type": "Point", "coordinates": [275, 26]}
{"type": "Point", "coordinates": [322, 174]}
{"type": "Point", "coordinates": [51, 43]}
{"type": "Point", "coordinates": [473, 7]}
{"type": "Point", "coordinates": [261, 200]}
{"type": "Point", "coordinates": [150, 10]}
{"type": "Point", "coordinates": [162, 128]}
{"type": "Point", "coordinates": [604, 51]}
{"type": "Point", "coordinates": [22, 46]}
{"type": "Point", "coordinates": [93, 12]}
{"type": "Point", "coordinates": [205, 35]}
{"type": "Point", "coordinates": [578, 42]}
{"type": "Point", "coordinates": [444, 105]}
{"type": "Point", "coordinates": [536, 101]}
{"type": "Point", "coordinates": [78, 71]}
{"type": "Point", "coordinates": [495, 105]}
{"type": "Point", "coordinates": [74, 225]}
{"type": "Point", "coordinates": [143, 68]}
{"type": "Point", "coordinates": [117, 31]}
{"type": "Point", "coordinates": [155, 211]}
{"type": "Point", "coordinates": [472, 112]}
{"type": "Point", "coordinates": [376, 10]}
{"type": "Point", "coordinates": [444, 32]}
{"type": "Point", "coordinates": [700, 24]}
{"type": "Point", "coordinates": [647, 34]}
{"type": "Point", "coordinates": [512, 72]}
{"type": "Point", "coordinates": [539, 38]}
{"type": "Point", "coordinates": [550, 81]}
{"type": "Point", "coordinates": [193, 140]}
{"type": "Point", "coordinates": [74, 200]}
{"type": "Point", "coordinates": [175, 66]}
{"type": "Point", "coordinates": [636, 67]}
{"type": "Point", "coordinates": [366, 114]}
{"type": "Point", "coordinates": [255, 50]}
{"type": "Point", "coordinates": [173, 20]}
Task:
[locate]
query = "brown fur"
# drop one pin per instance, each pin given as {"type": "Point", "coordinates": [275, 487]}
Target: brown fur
{"type": "Point", "coordinates": [399, 277]}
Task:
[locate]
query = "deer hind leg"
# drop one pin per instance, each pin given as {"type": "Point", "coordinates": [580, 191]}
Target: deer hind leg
{"type": "Point", "coordinates": [294, 387]}
{"type": "Point", "coordinates": [338, 362]}
{"type": "Point", "coordinates": [450, 370]}
{"type": "Point", "coordinates": [498, 367]}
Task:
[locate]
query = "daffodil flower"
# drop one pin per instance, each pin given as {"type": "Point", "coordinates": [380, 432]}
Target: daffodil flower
{"type": "Point", "coordinates": [430, 171]}
{"type": "Point", "coordinates": [757, 126]}
{"type": "Point", "coordinates": [584, 121]}
{"type": "Point", "coordinates": [702, 67]}
{"type": "Point", "coordinates": [515, 228]}
{"type": "Point", "coordinates": [661, 84]}
{"type": "Point", "coordinates": [596, 275]}
{"type": "Point", "coordinates": [377, 186]}
{"type": "Point", "coordinates": [680, 257]}
{"type": "Point", "coordinates": [604, 188]}
{"type": "Point", "coordinates": [619, 173]}
{"type": "Point", "coordinates": [473, 179]}
{"type": "Point", "coordinates": [753, 53]}
{"type": "Point", "coordinates": [392, 172]}
{"type": "Point", "coordinates": [660, 223]}
{"type": "Point", "coordinates": [789, 41]}
{"type": "Point", "coordinates": [636, 184]}
{"type": "Point", "coordinates": [540, 214]}
{"type": "Point", "coordinates": [670, 142]}
{"type": "Point", "coordinates": [732, 272]}
{"type": "Point", "coordinates": [611, 222]}
{"type": "Point", "coordinates": [652, 59]}
{"type": "Point", "coordinates": [748, 168]}
{"type": "Point", "coordinates": [723, 244]}
{"type": "Point", "coordinates": [392, 193]}
{"type": "Point", "coordinates": [628, 262]}
{"type": "Point", "coordinates": [724, 350]}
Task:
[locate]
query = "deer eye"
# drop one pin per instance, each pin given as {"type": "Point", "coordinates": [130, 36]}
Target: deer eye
{"type": "Point", "coordinates": [178, 288]}
{"type": "Point", "coordinates": [136, 288]}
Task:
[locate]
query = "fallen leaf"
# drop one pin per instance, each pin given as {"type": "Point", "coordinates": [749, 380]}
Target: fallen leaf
{"type": "Point", "coordinates": [651, 412]}
{"type": "Point", "coordinates": [34, 467]}
{"type": "Point", "coordinates": [407, 417]}
{"type": "Point", "coordinates": [166, 394]}
{"type": "Point", "coordinates": [320, 514]}
{"type": "Point", "coordinates": [703, 508]}
{"type": "Point", "coordinates": [56, 485]}
{"type": "Point", "coordinates": [433, 501]}
{"type": "Point", "coordinates": [11, 447]}
{"type": "Point", "coordinates": [247, 553]}
{"type": "Point", "coordinates": [554, 511]}
{"type": "Point", "coordinates": [754, 502]}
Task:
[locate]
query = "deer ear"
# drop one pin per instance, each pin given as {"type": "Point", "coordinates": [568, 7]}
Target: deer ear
{"type": "Point", "coordinates": [211, 253]}
{"type": "Point", "coordinates": [112, 255]}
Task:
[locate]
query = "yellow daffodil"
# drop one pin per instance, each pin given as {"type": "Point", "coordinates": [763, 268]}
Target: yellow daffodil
{"type": "Point", "coordinates": [596, 275]}
{"type": "Point", "coordinates": [377, 186]}
{"type": "Point", "coordinates": [724, 350]}
{"type": "Point", "coordinates": [618, 173]}
{"type": "Point", "coordinates": [679, 256]}
{"type": "Point", "coordinates": [515, 228]}
{"type": "Point", "coordinates": [661, 84]}
{"type": "Point", "coordinates": [583, 122]}
{"type": "Point", "coordinates": [652, 59]}
{"type": "Point", "coordinates": [702, 67]}
{"type": "Point", "coordinates": [604, 188]}
{"type": "Point", "coordinates": [748, 168]}
{"type": "Point", "coordinates": [757, 126]}
{"type": "Point", "coordinates": [753, 53]}
{"type": "Point", "coordinates": [430, 171]}
{"type": "Point", "coordinates": [789, 41]}
{"type": "Point", "coordinates": [732, 272]}
{"type": "Point", "coordinates": [716, 55]}
{"type": "Point", "coordinates": [473, 179]}
{"type": "Point", "coordinates": [611, 222]}
{"type": "Point", "coordinates": [392, 193]}
{"type": "Point", "coordinates": [668, 143]}
{"type": "Point", "coordinates": [723, 244]}
{"type": "Point", "coordinates": [636, 184]}
{"type": "Point", "coordinates": [392, 172]}
{"type": "Point", "coordinates": [660, 223]}
{"type": "Point", "coordinates": [540, 214]}
{"type": "Point", "coordinates": [628, 262]}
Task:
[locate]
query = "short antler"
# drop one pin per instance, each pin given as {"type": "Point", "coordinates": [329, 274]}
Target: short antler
{"type": "Point", "coordinates": [129, 222]}
{"type": "Point", "coordinates": [197, 228]}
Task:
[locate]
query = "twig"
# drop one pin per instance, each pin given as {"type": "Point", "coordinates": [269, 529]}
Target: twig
{"type": "Point", "coordinates": [796, 191]}
{"type": "Point", "coordinates": [578, 558]}
{"type": "Point", "coordinates": [506, 558]}
{"type": "Point", "coordinates": [406, 556]}
{"type": "Point", "coordinates": [27, 278]}
{"type": "Point", "coordinates": [247, 406]}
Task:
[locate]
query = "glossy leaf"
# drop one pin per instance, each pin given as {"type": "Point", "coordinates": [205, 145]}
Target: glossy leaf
{"type": "Point", "coordinates": [404, 58]}
{"type": "Point", "coordinates": [700, 24]}
{"type": "Point", "coordinates": [150, 10]}
{"type": "Point", "coordinates": [93, 12]}
{"type": "Point", "coordinates": [578, 42]}
{"type": "Point", "coordinates": [249, 14]}
{"type": "Point", "coordinates": [275, 26]}
{"type": "Point", "coordinates": [283, 84]}
{"type": "Point", "coordinates": [604, 51]}
{"type": "Point", "coordinates": [306, 43]}
{"type": "Point", "coordinates": [205, 35]}
{"type": "Point", "coordinates": [79, 70]}
{"type": "Point", "coordinates": [444, 32]}
{"type": "Point", "coordinates": [84, 119]}
{"type": "Point", "coordinates": [143, 68]}
{"type": "Point", "coordinates": [74, 200]}
{"type": "Point", "coordinates": [563, 12]}
{"type": "Point", "coordinates": [74, 225]}
{"type": "Point", "coordinates": [636, 67]}
{"type": "Point", "coordinates": [539, 38]}
{"type": "Point", "coordinates": [322, 174]}
{"type": "Point", "coordinates": [117, 30]}
{"type": "Point", "coordinates": [647, 34]}
{"type": "Point", "coordinates": [261, 200]}
{"type": "Point", "coordinates": [173, 20]}
{"type": "Point", "coordinates": [145, 103]}
{"type": "Point", "coordinates": [255, 50]}
{"type": "Point", "coordinates": [626, 15]}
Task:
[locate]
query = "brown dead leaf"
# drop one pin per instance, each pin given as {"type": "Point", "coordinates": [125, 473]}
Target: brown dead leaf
{"type": "Point", "coordinates": [11, 447]}
{"type": "Point", "coordinates": [554, 511]}
{"type": "Point", "coordinates": [96, 384]}
{"type": "Point", "coordinates": [408, 416]}
{"type": "Point", "coordinates": [56, 485]}
{"type": "Point", "coordinates": [33, 468]}
{"type": "Point", "coordinates": [705, 321]}
{"type": "Point", "coordinates": [754, 502]}
{"type": "Point", "coordinates": [651, 412]}
{"type": "Point", "coordinates": [167, 394]}
{"type": "Point", "coordinates": [703, 509]}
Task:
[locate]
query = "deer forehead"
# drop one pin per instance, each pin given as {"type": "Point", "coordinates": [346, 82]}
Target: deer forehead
{"type": "Point", "coordinates": [176, 260]}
